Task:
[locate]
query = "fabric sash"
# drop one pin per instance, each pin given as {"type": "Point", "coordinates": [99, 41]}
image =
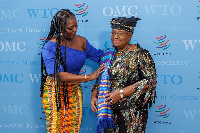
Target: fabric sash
{"type": "Point", "coordinates": [105, 119]}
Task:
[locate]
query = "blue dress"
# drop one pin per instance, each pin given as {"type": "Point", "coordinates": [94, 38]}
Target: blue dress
{"type": "Point", "coordinates": [66, 119]}
{"type": "Point", "coordinates": [75, 58]}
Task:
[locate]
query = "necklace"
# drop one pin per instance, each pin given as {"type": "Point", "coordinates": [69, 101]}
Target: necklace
{"type": "Point", "coordinates": [124, 50]}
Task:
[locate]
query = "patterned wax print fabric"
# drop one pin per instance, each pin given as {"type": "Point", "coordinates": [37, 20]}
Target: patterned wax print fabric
{"type": "Point", "coordinates": [66, 119]}
{"type": "Point", "coordinates": [136, 66]}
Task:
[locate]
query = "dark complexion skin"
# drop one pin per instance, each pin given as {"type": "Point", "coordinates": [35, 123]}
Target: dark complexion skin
{"type": "Point", "coordinates": [120, 39]}
{"type": "Point", "coordinates": [79, 43]}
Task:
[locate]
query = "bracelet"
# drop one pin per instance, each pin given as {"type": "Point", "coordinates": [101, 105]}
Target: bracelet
{"type": "Point", "coordinates": [85, 77]}
{"type": "Point", "coordinates": [121, 93]}
{"type": "Point", "coordinates": [95, 87]}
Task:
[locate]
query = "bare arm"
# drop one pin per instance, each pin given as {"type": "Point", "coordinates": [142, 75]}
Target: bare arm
{"type": "Point", "coordinates": [93, 102]}
{"type": "Point", "coordinates": [73, 78]}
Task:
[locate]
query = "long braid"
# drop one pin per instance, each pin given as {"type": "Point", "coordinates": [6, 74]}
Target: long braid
{"type": "Point", "coordinates": [57, 61]}
{"type": "Point", "coordinates": [43, 67]}
{"type": "Point", "coordinates": [65, 91]}
{"type": "Point", "coordinates": [58, 24]}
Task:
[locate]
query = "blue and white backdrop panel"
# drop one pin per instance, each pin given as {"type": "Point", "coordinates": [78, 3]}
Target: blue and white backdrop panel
{"type": "Point", "coordinates": [168, 29]}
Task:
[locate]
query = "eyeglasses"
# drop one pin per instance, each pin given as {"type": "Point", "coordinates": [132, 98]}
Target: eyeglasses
{"type": "Point", "coordinates": [118, 33]}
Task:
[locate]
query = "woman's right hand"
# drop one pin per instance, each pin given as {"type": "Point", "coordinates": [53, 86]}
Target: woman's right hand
{"type": "Point", "coordinates": [93, 102]}
{"type": "Point", "coordinates": [96, 74]}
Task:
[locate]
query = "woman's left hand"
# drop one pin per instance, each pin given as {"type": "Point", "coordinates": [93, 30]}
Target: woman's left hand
{"type": "Point", "coordinates": [113, 97]}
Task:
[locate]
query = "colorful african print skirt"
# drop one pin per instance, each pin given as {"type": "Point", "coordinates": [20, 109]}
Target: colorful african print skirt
{"type": "Point", "coordinates": [67, 119]}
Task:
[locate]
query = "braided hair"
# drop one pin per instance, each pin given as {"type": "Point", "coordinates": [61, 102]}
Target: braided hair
{"type": "Point", "coordinates": [58, 26]}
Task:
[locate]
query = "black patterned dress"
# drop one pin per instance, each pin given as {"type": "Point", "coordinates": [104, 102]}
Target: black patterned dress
{"type": "Point", "coordinates": [136, 66]}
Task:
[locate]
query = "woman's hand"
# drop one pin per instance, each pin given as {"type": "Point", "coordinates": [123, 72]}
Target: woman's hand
{"type": "Point", "coordinates": [93, 102]}
{"type": "Point", "coordinates": [113, 97]}
{"type": "Point", "coordinates": [96, 74]}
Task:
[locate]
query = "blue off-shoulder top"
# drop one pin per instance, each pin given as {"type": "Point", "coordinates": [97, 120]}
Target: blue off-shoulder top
{"type": "Point", "coordinates": [75, 59]}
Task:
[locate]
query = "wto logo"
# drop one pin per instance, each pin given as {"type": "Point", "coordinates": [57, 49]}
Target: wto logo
{"type": "Point", "coordinates": [162, 112]}
{"type": "Point", "coordinates": [163, 43]}
{"type": "Point", "coordinates": [198, 10]}
{"type": "Point", "coordinates": [81, 10]}
{"type": "Point", "coordinates": [190, 43]}
{"type": "Point", "coordinates": [41, 44]}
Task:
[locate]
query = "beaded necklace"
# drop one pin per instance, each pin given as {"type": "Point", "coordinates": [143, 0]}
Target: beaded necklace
{"type": "Point", "coordinates": [124, 50]}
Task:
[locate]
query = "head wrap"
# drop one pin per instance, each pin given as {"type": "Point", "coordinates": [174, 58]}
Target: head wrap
{"type": "Point", "coordinates": [123, 23]}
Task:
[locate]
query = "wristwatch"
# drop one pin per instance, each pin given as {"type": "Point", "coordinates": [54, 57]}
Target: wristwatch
{"type": "Point", "coordinates": [121, 93]}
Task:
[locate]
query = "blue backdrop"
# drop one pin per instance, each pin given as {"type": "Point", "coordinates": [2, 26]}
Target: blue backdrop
{"type": "Point", "coordinates": [169, 30]}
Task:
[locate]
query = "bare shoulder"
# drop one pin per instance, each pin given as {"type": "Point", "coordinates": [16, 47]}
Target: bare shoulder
{"type": "Point", "coordinates": [81, 39]}
{"type": "Point", "coordinates": [53, 39]}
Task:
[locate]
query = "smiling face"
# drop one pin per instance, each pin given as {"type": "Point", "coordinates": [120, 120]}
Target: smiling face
{"type": "Point", "coordinates": [120, 38]}
{"type": "Point", "coordinates": [71, 27]}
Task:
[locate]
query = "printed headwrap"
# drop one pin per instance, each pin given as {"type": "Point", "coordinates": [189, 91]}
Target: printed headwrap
{"type": "Point", "coordinates": [123, 23]}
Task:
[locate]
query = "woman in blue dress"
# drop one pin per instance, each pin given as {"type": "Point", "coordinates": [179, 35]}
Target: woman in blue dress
{"type": "Point", "coordinates": [63, 56]}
